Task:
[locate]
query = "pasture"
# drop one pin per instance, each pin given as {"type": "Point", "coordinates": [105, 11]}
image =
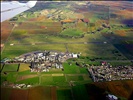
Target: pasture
{"type": "Point", "coordinates": [25, 39]}
{"type": "Point", "coordinates": [71, 32]}
{"type": "Point", "coordinates": [64, 94]}
{"type": "Point", "coordinates": [10, 67]}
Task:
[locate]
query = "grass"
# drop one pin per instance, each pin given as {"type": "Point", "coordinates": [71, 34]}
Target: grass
{"type": "Point", "coordinates": [120, 63]}
{"type": "Point", "coordinates": [10, 67]}
{"type": "Point", "coordinates": [59, 79]}
{"type": "Point", "coordinates": [24, 67]}
{"type": "Point", "coordinates": [64, 94]}
{"type": "Point", "coordinates": [83, 71]}
{"type": "Point", "coordinates": [12, 77]}
{"type": "Point", "coordinates": [75, 78]}
{"type": "Point", "coordinates": [122, 48]}
{"type": "Point", "coordinates": [79, 94]}
{"type": "Point", "coordinates": [77, 83]}
{"type": "Point", "coordinates": [72, 32]}
{"type": "Point", "coordinates": [26, 72]}
{"type": "Point", "coordinates": [2, 79]}
{"type": "Point", "coordinates": [23, 36]}
{"type": "Point", "coordinates": [86, 77]}
{"type": "Point", "coordinates": [81, 78]}
{"type": "Point", "coordinates": [48, 80]}
{"type": "Point", "coordinates": [31, 81]}
{"type": "Point", "coordinates": [73, 69]}
{"type": "Point", "coordinates": [15, 51]}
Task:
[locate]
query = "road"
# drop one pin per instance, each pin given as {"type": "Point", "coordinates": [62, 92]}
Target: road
{"type": "Point", "coordinates": [41, 43]}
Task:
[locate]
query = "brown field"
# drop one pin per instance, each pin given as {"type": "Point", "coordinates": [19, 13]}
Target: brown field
{"type": "Point", "coordinates": [17, 94]}
{"type": "Point", "coordinates": [27, 25]}
{"type": "Point", "coordinates": [116, 7]}
{"type": "Point", "coordinates": [126, 14]}
{"type": "Point", "coordinates": [4, 34]}
{"type": "Point", "coordinates": [6, 25]}
{"type": "Point", "coordinates": [121, 32]}
{"type": "Point", "coordinates": [53, 93]}
{"type": "Point", "coordinates": [119, 88]}
{"type": "Point", "coordinates": [34, 93]}
{"type": "Point", "coordinates": [41, 93]}
{"type": "Point", "coordinates": [5, 93]}
{"type": "Point", "coordinates": [5, 30]}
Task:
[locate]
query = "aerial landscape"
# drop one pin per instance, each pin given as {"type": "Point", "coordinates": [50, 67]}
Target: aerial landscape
{"type": "Point", "coordinates": [68, 50]}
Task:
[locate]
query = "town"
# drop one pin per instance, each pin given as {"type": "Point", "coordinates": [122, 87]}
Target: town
{"type": "Point", "coordinates": [107, 72]}
{"type": "Point", "coordinates": [42, 61]}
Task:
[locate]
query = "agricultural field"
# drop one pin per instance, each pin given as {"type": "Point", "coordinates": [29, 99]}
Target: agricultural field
{"type": "Point", "coordinates": [8, 68]}
{"type": "Point", "coordinates": [41, 93]}
{"type": "Point", "coordinates": [99, 31]}
{"type": "Point", "coordinates": [55, 77]}
{"type": "Point", "coordinates": [92, 91]}
{"type": "Point", "coordinates": [121, 88]}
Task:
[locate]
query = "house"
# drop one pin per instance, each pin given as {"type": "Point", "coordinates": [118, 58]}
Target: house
{"type": "Point", "coordinates": [112, 97]}
{"type": "Point", "coordinates": [74, 55]}
{"type": "Point", "coordinates": [85, 20]}
{"type": "Point", "coordinates": [21, 59]}
{"type": "Point", "coordinates": [103, 62]}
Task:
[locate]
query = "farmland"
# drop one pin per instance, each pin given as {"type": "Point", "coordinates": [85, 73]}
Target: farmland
{"type": "Point", "coordinates": [94, 30]}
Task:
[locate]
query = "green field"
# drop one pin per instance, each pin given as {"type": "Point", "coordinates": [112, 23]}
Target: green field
{"type": "Point", "coordinates": [64, 94]}
{"type": "Point", "coordinates": [54, 77]}
{"type": "Point", "coordinates": [32, 81]}
{"type": "Point", "coordinates": [71, 32]}
{"type": "Point", "coordinates": [79, 94]}
{"type": "Point", "coordinates": [10, 67]}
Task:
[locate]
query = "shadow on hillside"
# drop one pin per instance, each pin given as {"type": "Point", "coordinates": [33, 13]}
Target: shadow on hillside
{"type": "Point", "coordinates": [131, 96]}
{"type": "Point", "coordinates": [95, 92]}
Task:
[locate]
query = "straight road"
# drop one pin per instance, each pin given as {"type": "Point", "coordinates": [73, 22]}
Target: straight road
{"type": "Point", "coordinates": [41, 43]}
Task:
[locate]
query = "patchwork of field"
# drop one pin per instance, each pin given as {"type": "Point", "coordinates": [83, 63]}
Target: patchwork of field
{"type": "Point", "coordinates": [41, 29]}
{"type": "Point", "coordinates": [91, 91]}
{"type": "Point", "coordinates": [67, 84]}
{"type": "Point", "coordinates": [90, 45]}
{"type": "Point", "coordinates": [62, 80]}
{"type": "Point", "coordinates": [55, 77]}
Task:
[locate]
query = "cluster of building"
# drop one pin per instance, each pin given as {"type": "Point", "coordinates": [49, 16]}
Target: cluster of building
{"type": "Point", "coordinates": [18, 86]}
{"type": "Point", "coordinates": [42, 61]}
{"type": "Point", "coordinates": [106, 72]}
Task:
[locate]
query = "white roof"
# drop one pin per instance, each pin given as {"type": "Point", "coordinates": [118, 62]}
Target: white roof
{"type": "Point", "coordinates": [112, 96]}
